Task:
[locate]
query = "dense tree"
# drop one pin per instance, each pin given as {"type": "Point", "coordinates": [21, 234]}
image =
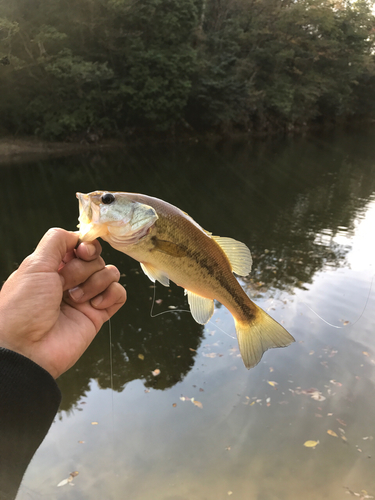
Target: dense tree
{"type": "Point", "coordinates": [70, 66]}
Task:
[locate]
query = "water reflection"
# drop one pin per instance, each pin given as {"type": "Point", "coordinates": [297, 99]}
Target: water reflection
{"type": "Point", "coordinates": [286, 200]}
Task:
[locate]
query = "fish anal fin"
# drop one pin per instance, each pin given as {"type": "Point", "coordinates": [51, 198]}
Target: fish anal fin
{"type": "Point", "coordinates": [201, 308]}
{"type": "Point", "coordinates": [238, 254]}
{"type": "Point", "coordinates": [258, 335]}
{"type": "Point", "coordinates": [168, 247]}
{"type": "Point", "coordinates": [155, 274]}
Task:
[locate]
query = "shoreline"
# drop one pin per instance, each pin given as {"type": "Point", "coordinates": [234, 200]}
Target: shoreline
{"type": "Point", "coordinates": [21, 149]}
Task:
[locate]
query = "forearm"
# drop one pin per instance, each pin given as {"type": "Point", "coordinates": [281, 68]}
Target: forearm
{"type": "Point", "coordinates": [29, 400]}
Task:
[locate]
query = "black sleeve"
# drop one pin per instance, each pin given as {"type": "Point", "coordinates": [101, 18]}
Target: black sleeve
{"type": "Point", "coordinates": [29, 400]}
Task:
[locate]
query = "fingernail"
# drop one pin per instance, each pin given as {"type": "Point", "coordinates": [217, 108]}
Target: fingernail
{"type": "Point", "coordinates": [91, 250]}
{"type": "Point", "coordinates": [76, 293]}
{"type": "Point", "coordinates": [97, 300]}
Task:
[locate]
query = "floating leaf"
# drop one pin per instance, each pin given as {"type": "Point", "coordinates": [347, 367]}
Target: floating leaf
{"type": "Point", "coordinates": [174, 405]}
{"type": "Point", "coordinates": [141, 356]}
{"type": "Point", "coordinates": [197, 403]}
{"type": "Point", "coordinates": [332, 433]}
{"type": "Point", "coordinates": [156, 372]}
{"type": "Point", "coordinates": [272, 383]}
{"type": "Point", "coordinates": [365, 353]}
{"type": "Point", "coordinates": [94, 423]}
{"type": "Point", "coordinates": [63, 482]}
{"type": "Point", "coordinates": [341, 422]}
{"type": "Point", "coordinates": [230, 493]}
{"type": "Point", "coordinates": [317, 396]}
{"type": "Point", "coordinates": [69, 479]}
{"type": "Point", "coordinates": [310, 444]}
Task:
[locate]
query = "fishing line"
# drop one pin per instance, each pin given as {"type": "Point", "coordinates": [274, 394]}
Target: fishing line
{"type": "Point", "coordinates": [182, 310]}
{"type": "Point", "coordinates": [111, 377]}
{"type": "Point", "coordinates": [351, 324]}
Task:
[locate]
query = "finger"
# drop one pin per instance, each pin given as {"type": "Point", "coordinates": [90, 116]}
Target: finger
{"type": "Point", "coordinates": [111, 299]}
{"type": "Point", "coordinates": [89, 250]}
{"type": "Point", "coordinates": [77, 271]}
{"type": "Point", "coordinates": [95, 284]}
{"type": "Point", "coordinates": [51, 250]}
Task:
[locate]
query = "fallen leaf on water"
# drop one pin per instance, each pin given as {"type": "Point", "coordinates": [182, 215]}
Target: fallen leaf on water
{"type": "Point", "coordinates": [332, 433]}
{"type": "Point", "coordinates": [365, 353]}
{"type": "Point", "coordinates": [334, 382]}
{"type": "Point", "coordinates": [191, 349]}
{"type": "Point", "coordinates": [210, 355]}
{"type": "Point", "coordinates": [272, 383]}
{"type": "Point", "coordinates": [318, 415]}
{"type": "Point", "coordinates": [197, 403]}
{"type": "Point", "coordinates": [344, 438]}
{"type": "Point", "coordinates": [69, 479]}
{"type": "Point", "coordinates": [362, 495]}
{"type": "Point", "coordinates": [94, 423]}
{"type": "Point", "coordinates": [341, 422]}
{"type": "Point", "coordinates": [271, 369]}
{"type": "Point", "coordinates": [310, 444]}
{"type": "Point", "coordinates": [81, 442]}
{"type": "Point", "coordinates": [227, 448]}
{"type": "Point", "coordinates": [174, 405]}
{"type": "Point", "coordinates": [156, 372]}
{"type": "Point", "coordinates": [230, 493]}
{"type": "Point", "coordinates": [141, 356]}
{"type": "Point", "coordinates": [159, 301]}
{"type": "Point", "coordinates": [311, 353]}
{"type": "Point", "coordinates": [317, 396]}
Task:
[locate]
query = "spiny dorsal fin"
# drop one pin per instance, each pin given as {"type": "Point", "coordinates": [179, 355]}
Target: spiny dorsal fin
{"type": "Point", "coordinates": [155, 274]}
{"type": "Point", "coordinates": [238, 254]}
{"type": "Point", "coordinates": [201, 308]}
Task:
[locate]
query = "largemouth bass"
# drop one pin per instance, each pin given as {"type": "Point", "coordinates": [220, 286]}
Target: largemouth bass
{"type": "Point", "coordinates": [170, 245]}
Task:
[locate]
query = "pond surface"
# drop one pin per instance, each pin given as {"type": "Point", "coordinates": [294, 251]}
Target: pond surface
{"type": "Point", "coordinates": [206, 428]}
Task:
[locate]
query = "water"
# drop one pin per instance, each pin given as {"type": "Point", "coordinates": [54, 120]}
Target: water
{"type": "Point", "coordinates": [306, 209]}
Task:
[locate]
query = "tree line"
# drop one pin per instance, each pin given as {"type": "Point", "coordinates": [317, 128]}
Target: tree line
{"type": "Point", "coordinates": [107, 67]}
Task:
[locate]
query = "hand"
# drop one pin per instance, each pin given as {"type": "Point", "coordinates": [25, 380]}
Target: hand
{"type": "Point", "coordinates": [52, 307]}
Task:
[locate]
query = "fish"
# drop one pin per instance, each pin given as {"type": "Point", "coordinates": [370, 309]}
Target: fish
{"type": "Point", "coordinates": [171, 246]}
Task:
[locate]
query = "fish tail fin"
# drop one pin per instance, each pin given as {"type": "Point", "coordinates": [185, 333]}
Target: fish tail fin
{"type": "Point", "coordinates": [259, 334]}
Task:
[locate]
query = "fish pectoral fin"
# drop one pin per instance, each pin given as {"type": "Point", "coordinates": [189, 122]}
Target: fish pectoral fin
{"type": "Point", "coordinates": [155, 274]}
{"type": "Point", "coordinates": [258, 335]}
{"type": "Point", "coordinates": [169, 248]}
{"type": "Point", "coordinates": [238, 254]}
{"type": "Point", "coordinates": [201, 308]}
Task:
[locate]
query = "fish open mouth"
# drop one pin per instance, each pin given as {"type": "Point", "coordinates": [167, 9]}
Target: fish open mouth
{"type": "Point", "coordinates": [89, 227]}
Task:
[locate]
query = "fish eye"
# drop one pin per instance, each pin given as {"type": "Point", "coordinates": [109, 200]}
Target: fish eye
{"type": "Point", "coordinates": [108, 198]}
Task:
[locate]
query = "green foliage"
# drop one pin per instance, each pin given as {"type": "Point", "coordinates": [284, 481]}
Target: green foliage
{"type": "Point", "coordinates": [109, 65]}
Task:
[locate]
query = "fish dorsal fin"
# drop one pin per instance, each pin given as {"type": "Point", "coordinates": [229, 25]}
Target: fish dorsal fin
{"type": "Point", "coordinates": [155, 274]}
{"type": "Point", "coordinates": [169, 248]}
{"type": "Point", "coordinates": [238, 254]}
{"type": "Point", "coordinates": [201, 308]}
